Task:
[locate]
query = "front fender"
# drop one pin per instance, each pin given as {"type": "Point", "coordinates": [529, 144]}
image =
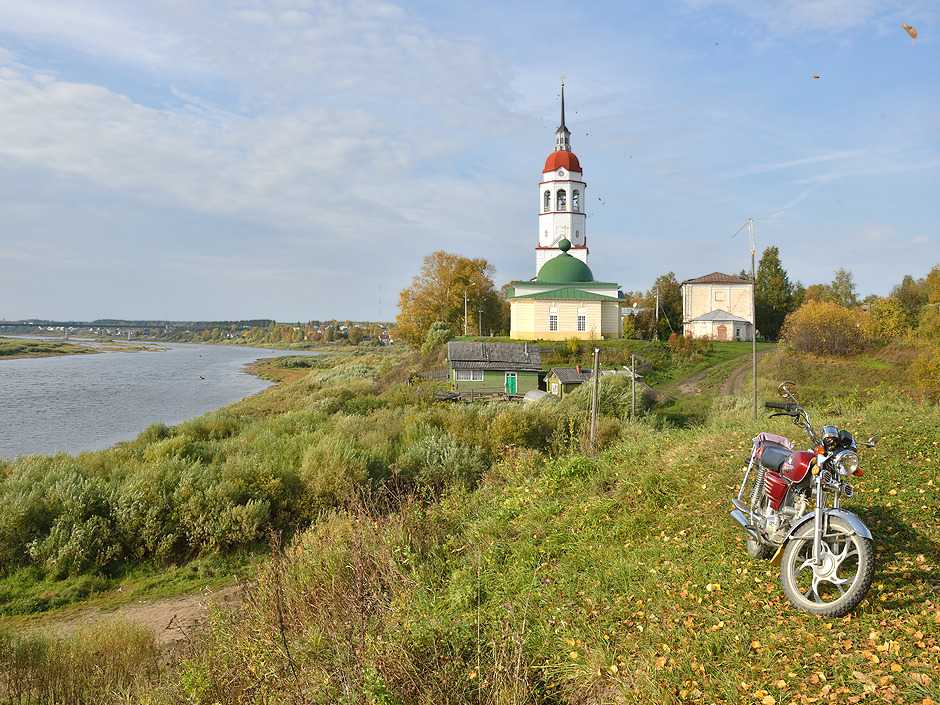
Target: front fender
{"type": "Point", "coordinates": [804, 525]}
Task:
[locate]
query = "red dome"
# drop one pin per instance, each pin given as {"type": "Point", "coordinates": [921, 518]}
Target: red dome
{"type": "Point", "coordinates": [556, 160]}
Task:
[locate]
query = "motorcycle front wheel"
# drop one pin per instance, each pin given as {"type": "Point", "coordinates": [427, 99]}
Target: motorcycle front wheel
{"type": "Point", "coordinates": [839, 582]}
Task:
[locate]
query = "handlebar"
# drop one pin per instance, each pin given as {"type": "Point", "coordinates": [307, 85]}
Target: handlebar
{"type": "Point", "coordinates": [785, 406]}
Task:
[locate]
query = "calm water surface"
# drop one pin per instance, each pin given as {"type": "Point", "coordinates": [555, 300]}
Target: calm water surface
{"type": "Point", "coordinates": [88, 402]}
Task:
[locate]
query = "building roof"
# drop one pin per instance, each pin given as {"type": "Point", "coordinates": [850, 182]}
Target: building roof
{"type": "Point", "coordinates": [562, 158]}
{"type": "Point", "coordinates": [570, 375]}
{"type": "Point", "coordinates": [564, 269]}
{"type": "Point", "coordinates": [568, 293]}
{"type": "Point", "coordinates": [720, 315]}
{"type": "Point", "coordinates": [494, 356]}
{"type": "Point", "coordinates": [717, 278]}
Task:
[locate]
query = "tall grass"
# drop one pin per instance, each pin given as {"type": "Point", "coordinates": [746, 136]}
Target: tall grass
{"type": "Point", "coordinates": [98, 665]}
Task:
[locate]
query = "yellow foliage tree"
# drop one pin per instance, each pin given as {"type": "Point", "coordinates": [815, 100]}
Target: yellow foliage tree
{"type": "Point", "coordinates": [925, 372]}
{"type": "Point", "coordinates": [886, 321]}
{"type": "Point", "coordinates": [437, 294]}
{"type": "Point", "coordinates": [824, 328]}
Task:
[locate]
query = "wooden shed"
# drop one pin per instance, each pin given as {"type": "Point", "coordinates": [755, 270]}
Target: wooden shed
{"type": "Point", "coordinates": [494, 368]}
{"type": "Point", "coordinates": [561, 380]}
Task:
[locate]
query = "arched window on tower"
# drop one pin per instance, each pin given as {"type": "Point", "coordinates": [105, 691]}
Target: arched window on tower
{"type": "Point", "coordinates": [547, 202]}
{"type": "Point", "coordinates": [576, 201]}
{"type": "Point", "coordinates": [561, 200]}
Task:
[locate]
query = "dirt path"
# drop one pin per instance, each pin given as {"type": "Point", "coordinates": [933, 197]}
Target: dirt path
{"type": "Point", "coordinates": [739, 377]}
{"type": "Point", "coordinates": [171, 619]}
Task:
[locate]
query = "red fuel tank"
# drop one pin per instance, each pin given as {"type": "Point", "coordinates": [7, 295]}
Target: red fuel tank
{"type": "Point", "coordinates": [798, 465]}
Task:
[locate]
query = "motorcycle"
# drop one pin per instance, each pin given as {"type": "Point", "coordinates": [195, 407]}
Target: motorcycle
{"type": "Point", "coordinates": [793, 513]}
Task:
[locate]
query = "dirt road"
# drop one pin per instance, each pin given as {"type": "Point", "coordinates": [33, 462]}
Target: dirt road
{"type": "Point", "coordinates": [171, 619]}
{"type": "Point", "coordinates": [739, 377]}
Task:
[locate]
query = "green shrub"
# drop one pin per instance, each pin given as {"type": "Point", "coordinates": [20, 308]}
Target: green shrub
{"type": "Point", "coordinates": [436, 460]}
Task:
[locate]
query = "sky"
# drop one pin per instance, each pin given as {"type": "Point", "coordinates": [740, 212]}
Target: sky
{"type": "Point", "coordinates": [296, 159]}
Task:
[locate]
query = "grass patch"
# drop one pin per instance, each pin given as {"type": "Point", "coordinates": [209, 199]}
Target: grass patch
{"type": "Point", "coordinates": [28, 592]}
{"type": "Point", "coordinates": [11, 348]}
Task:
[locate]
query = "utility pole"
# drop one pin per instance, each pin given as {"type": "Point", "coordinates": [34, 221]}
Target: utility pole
{"type": "Point", "coordinates": [465, 307]}
{"type": "Point", "coordinates": [656, 332]}
{"type": "Point", "coordinates": [632, 386]}
{"type": "Point", "coordinates": [480, 313]}
{"type": "Point", "coordinates": [750, 229]}
{"type": "Point", "coordinates": [594, 393]}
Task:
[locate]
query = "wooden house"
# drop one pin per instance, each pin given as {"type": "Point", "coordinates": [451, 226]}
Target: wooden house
{"type": "Point", "coordinates": [561, 380]}
{"type": "Point", "coordinates": [494, 368]}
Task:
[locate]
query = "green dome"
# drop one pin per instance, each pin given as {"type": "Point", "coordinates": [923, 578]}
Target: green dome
{"type": "Point", "coordinates": [565, 269]}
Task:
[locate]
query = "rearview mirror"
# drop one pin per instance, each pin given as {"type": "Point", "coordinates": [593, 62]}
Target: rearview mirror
{"type": "Point", "coordinates": [871, 442]}
{"type": "Point", "coordinates": [786, 389]}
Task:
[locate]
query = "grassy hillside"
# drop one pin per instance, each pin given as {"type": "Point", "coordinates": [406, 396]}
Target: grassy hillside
{"type": "Point", "coordinates": [587, 580]}
{"type": "Point", "coordinates": [475, 554]}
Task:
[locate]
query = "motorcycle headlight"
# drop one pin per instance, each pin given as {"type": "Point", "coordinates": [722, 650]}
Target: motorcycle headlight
{"type": "Point", "coordinates": [846, 462]}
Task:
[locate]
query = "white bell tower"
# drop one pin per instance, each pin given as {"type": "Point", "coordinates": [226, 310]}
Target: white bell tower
{"type": "Point", "coordinates": [561, 200]}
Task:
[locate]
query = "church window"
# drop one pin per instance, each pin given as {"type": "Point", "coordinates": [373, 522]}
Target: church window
{"type": "Point", "coordinates": [547, 203]}
{"type": "Point", "coordinates": [577, 234]}
{"type": "Point", "coordinates": [582, 323]}
{"type": "Point", "coordinates": [576, 200]}
{"type": "Point", "coordinates": [561, 200]}
{"type": "Point", "coordinates": [553, 322]}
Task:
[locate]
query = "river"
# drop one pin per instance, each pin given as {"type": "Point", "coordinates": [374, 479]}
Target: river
{"type": "Point", "coordinates": [74, 403]}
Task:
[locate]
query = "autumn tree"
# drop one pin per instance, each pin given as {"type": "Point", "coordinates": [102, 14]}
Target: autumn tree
{"type": "Point", "coordinates": [911, 294]}
{"type": "Point", "coordinates": [817, 292]}
{"type": "Point", "coordinates": [773, 294]}
{"type": "Point", "coordinates": [437, 294]}
{"type": "Point", "coordinates": [670, 308]}
{"type": "Point", "coordinates": [842, 289]}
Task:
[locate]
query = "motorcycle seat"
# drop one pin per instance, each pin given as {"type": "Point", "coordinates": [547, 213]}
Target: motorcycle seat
{"type": "Point", "coordinates": [774, 455]}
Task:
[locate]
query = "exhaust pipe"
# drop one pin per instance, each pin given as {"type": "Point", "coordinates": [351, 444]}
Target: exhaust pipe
{"type": "Point", "coordinates": [741, 518]}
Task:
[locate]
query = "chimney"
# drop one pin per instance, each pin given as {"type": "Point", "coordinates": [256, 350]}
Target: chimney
{"type": "Point", "coordinates": [525, 347]}
{"type": "Point", "coordinates": [577, 368]}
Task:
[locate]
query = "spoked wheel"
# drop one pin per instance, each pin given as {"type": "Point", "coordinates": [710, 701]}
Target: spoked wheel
{"type": "Point", "coordinates": [834, 586]}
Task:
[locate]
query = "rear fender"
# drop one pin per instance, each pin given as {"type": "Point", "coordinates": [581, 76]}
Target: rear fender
{"type": "Point", "coordinates": [846, 520]}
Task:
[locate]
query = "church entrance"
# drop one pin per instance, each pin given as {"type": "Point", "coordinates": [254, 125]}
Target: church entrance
{"type": "Point", "coordinates": [721, 332]}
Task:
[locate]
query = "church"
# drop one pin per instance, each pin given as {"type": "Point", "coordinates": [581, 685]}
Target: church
{"type": "Point", "coordinates": [563, 300]}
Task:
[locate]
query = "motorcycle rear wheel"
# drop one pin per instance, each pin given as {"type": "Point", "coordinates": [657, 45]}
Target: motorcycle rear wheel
{"type": "Point", "coordinates": [836, 586]}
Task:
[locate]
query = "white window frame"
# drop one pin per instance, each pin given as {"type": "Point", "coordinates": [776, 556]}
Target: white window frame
{"type": "Point", "coordinates": [553, 323]}
{"type": "Point", "coordinates": [582, 322]}
{"type": "Point", "coordinates": [469, 375]}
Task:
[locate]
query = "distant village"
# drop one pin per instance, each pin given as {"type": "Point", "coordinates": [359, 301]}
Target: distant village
{"type": "Point", "coordinates": [253, 331]}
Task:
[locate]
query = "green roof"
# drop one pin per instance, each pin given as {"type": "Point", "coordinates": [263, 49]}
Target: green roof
{"type": "Point", "coordinates": [568, 293]}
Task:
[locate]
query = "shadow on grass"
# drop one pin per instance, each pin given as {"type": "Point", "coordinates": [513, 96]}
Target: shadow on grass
{"type": "Point", "coordinates": [895, 541]}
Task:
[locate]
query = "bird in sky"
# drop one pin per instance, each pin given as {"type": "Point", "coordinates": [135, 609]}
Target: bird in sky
{"type": "Point", "coordinates": [911, 31]}
{"type": "Point", "coordinates": [816, 76]}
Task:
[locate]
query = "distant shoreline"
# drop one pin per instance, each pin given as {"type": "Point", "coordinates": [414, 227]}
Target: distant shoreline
{"type": "Point", "coordinates": [21, 347]}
